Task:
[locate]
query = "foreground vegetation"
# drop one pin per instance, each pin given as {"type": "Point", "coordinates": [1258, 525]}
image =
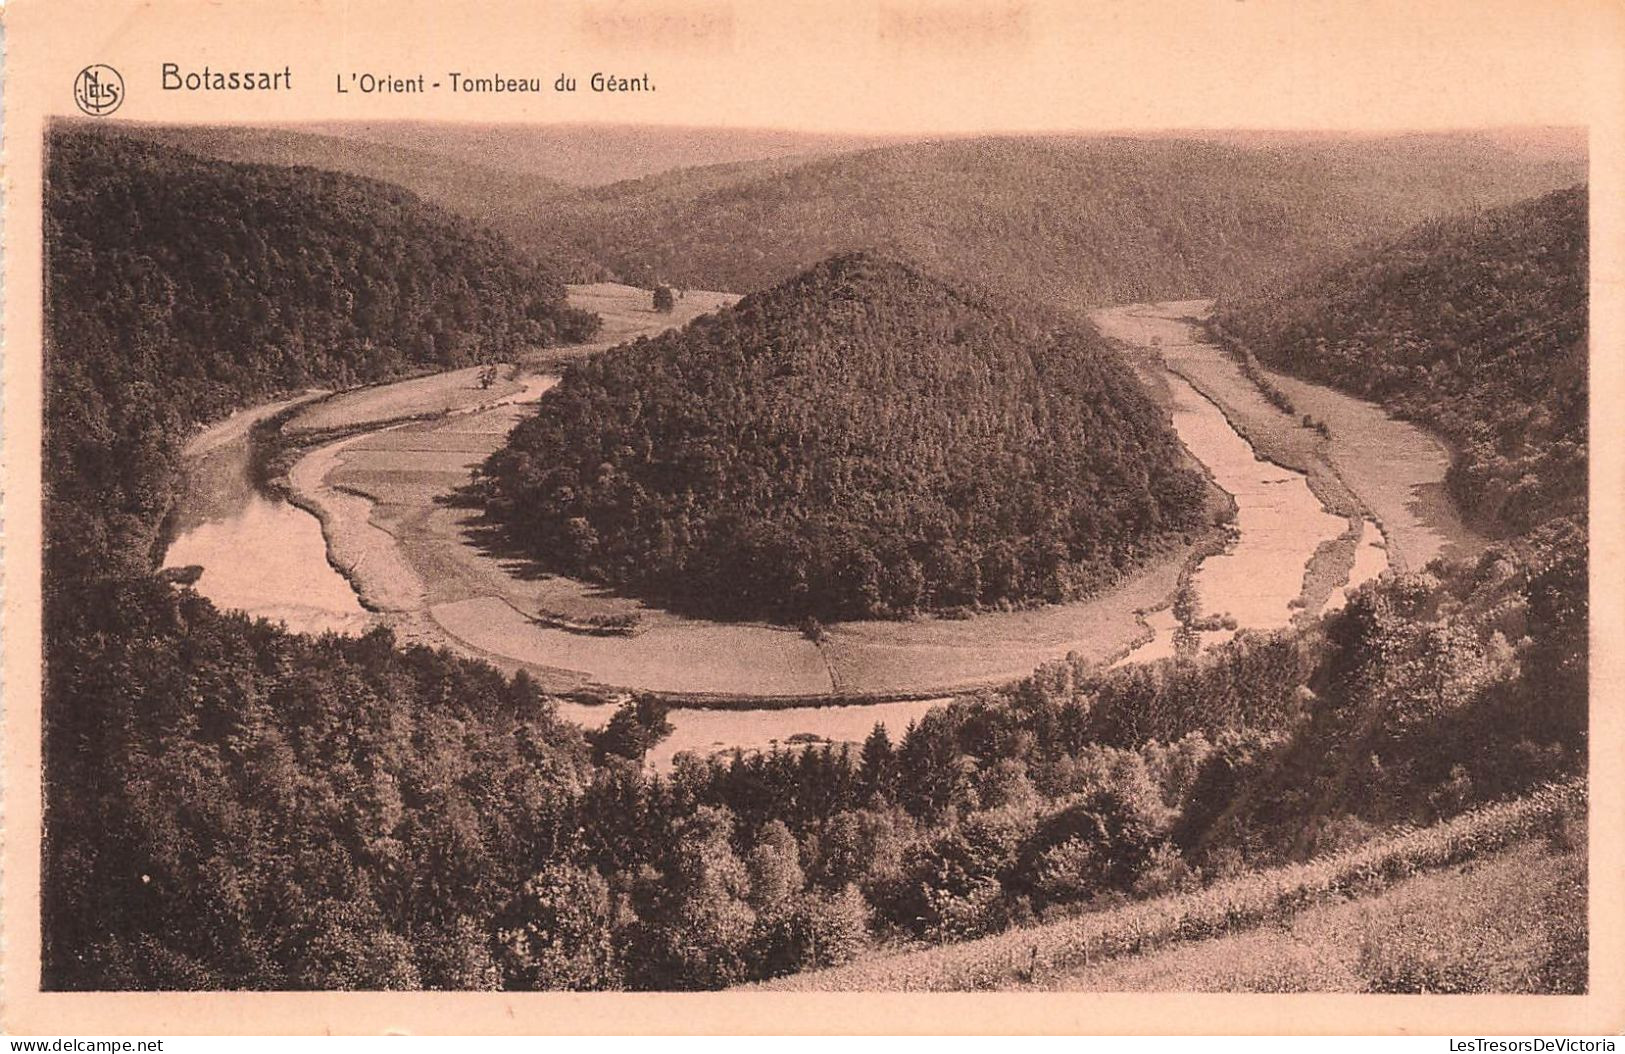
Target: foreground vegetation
{"type": "Point", "coordinates": [1030, 954]}
{"type": "Point", "coordinates": [298, 812]}
{"type": "Point", "coordinates": [1475, 326]}
{"type": "Point", "coordinates": [858, 442]}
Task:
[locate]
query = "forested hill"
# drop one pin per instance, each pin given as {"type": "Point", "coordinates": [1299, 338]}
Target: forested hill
{"type": "Point", "coordinates": [858, 441]}
{"type": "Point", "coordinates": [179, 288]}
{"type": "Point", "coordinates": [515, 202]}
{"type": "Point", "coordinates": [1081, 219]}
{"type": "Point", "coordinates": [1476, 326]}
{"type": "Point", "coordinates": [1085, 220]}
{"type": "Point", "coordinates": [230, 806]}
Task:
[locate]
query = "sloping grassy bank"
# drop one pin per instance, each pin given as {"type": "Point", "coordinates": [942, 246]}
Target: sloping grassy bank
{"type": "Point", "coordinates": [1017, 956]}
{"type": "Point", "coordinates": [1510, 921]}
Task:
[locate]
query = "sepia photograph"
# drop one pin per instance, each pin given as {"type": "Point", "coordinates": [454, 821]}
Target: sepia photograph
{"type": "Point", "coordinates": [493, 555]}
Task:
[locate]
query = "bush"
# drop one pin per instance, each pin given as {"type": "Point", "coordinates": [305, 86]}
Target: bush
{"type": "Point", "coordinates": [557, 933]}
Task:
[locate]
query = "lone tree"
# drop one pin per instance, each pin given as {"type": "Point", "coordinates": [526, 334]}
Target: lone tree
{"type": "Point", "coordinates": [663, 299]}
{"type": "Point", "coordinates": [632, 731]}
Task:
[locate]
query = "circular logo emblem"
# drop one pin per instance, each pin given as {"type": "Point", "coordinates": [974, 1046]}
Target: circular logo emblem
{"type": "Point", "coordinates": [98, 90]}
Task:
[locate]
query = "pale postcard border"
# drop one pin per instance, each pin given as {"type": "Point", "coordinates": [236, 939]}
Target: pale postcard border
{"type": "Point", "coordinates": [883, 66]}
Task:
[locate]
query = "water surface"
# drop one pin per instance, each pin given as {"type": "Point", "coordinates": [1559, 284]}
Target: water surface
{"type": "Point", "coordinates": [1280, 523]}
{"type": "Point", "coordinates": [259, 554]}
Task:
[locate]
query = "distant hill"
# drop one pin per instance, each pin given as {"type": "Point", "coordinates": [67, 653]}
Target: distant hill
{"type": "Point", "coordinates": [859, 441]}
{"type": "Point", "coordinates": [1080, 220]}
{"type": "Point", "coordinates": [594, 154]}
{"type": "Point", "coordinates": [525, 181]}
{"type": "Point", "coordinates": [438, 176]}
{"type": "Point", "coordinates": [1476, 326]}
{"type": "Point", "coordinates": [179, 288]}
{"type": "Point", "coordinates": [514, 202]}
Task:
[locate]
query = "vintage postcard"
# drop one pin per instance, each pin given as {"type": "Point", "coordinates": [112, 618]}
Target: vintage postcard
{"type": "Point", "coordinates": [1003, 516]}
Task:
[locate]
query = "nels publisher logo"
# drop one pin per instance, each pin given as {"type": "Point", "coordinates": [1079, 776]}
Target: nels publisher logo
{"type": "Point", "coordinates": [98, 90]}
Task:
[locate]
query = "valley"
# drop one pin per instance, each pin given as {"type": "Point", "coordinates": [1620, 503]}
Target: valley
{"type": "Point", "coordinates": [423, 564]}
{"type": "Point", "coordinates": [1200, 617]}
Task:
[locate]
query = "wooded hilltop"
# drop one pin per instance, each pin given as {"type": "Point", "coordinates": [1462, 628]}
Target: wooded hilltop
{"type": "Point", "coordinates": [860, 441]}
{"type": "Point", "coordinates": [1475, 326]}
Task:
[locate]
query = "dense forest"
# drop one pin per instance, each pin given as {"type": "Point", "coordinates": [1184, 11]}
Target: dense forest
{"type": "Point", "coordinates": [1475, 326]}
{"type": "Point", "coordinates": [255, 809]}
{"type": "Point", "coordinates": [229, 805]}
{"type": "Point", "coordinates": [180, 288]}
{"type": "Point", "coordinates": [513, 201]}
{"type": "Point", "coordinates": [860, 441]}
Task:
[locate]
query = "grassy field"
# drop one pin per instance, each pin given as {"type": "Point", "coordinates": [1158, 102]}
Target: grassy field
{"type": "Point", "coordinates": [671, 655]}
{"type": "Point", "coordinates": [1048, 954]}
{"type": "Point", "coordinates": [419, 397]}
{"type": "Point", "coordinates": [357, 547]}
{"type": "Point", "coordinates": [1512, 922]}
{"type": "Point", "coordinates": [628, 312]}
{"type": "Point", "coordinates": [1395, 467]}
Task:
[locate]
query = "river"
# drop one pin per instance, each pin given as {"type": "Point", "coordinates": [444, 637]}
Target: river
{"type": "Point", "coordinates": [258, 553]}
{"type": "Point", "coordinates": [392, 501]}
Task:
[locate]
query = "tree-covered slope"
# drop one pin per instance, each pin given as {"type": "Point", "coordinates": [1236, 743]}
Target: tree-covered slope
{"type": "Point", "coordinates": [1089, 220]}
{"type": "Point", "coordinates": [514, 201]}
{"type": "Point", "coordinates": [1085, 219]}
{"type": "Point", "coordinates": [858, 441]}
{"type": "Point", "coordinates": [1474, 325]}
{"type": "Point", "coordinates": [179, 288]}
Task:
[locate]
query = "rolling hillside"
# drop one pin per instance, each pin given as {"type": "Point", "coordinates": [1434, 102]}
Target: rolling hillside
{"type": "Point", "coordinates": [587, 155]}
{"type": "Point", "coordinates": [1080, 220]}
{"type": "Point", "coordinates": [859, 441]}
{"type": "Point", "coordinates": [519, 203]}
{"type": "Point", "coordinates": [1475, 325]}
